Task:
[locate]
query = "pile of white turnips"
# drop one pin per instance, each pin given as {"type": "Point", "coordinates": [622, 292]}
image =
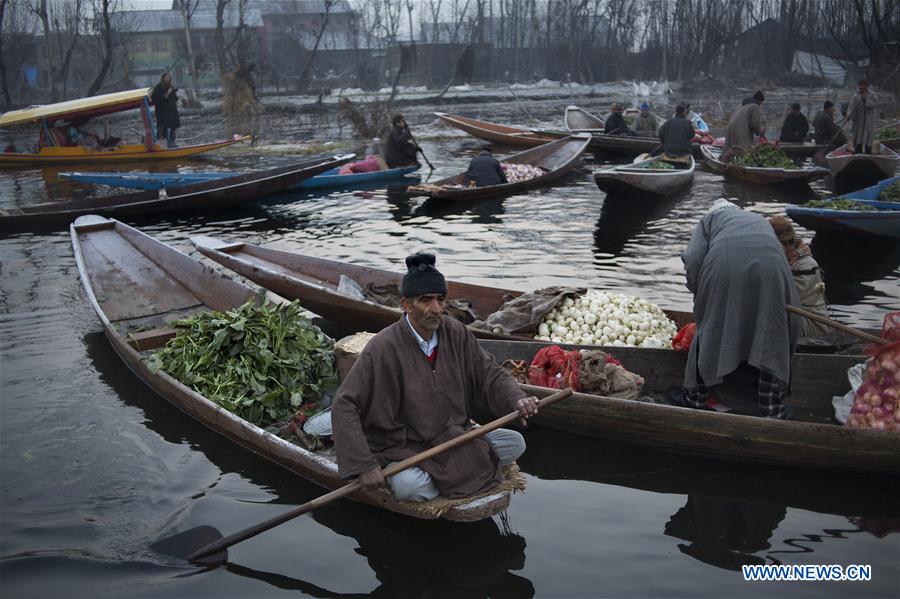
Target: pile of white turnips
{"type": "Point", "coordinates": [602, 318]}
{"type": "Point", "coordinates": [520, 172]}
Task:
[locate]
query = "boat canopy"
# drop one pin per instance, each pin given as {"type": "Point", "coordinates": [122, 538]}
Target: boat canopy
{"type": "Point", "coordinates": [82, 108]}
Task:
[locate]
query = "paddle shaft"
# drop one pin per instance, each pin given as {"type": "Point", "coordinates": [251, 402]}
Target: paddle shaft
{"type": "Point", "coordinates": [836, 325]}
{"type": "Point", "coordinates": [421, 151]}
{"type": "Point", "coordinates": [351, 488]}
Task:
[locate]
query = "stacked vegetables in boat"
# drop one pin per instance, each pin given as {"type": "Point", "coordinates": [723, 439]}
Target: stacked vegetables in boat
{"type": "Point", "coordinates": [877, 403]}
{"type": "Point", "coordinates": [263, 362]}
{"type": "Point", "coordinates": [891, 193]}
{"type": "Point", "coordinates": [840, 204]}
{"type": "Point", "coordinates": [764, 156]}
{"type": "Point", "coordinates": [520, 172]}
{"type": "Point", "coordinates": [601, 318]}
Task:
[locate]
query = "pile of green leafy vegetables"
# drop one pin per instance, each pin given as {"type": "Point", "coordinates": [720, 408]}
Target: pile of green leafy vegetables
{"type": "Point", "coordinates": [261, 361]}
{"type": "Point", "coordinates": [891, 193]}
{"type": "Point", "coordinates": [660, 165]}
{"type": "Point", "coordinates": [765, 156]}
{"type": "Point", "coordinates": [839, 205]}
{"type": "Point", "coordinates": [887, 133]}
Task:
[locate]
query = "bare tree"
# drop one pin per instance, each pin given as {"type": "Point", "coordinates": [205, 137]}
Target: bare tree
{"type": "Point", "coordinates": [187, 9]}
{"type": "Point", "coordinates": [61, 25]}
{"type": "Point", "coordinates": [102, 19]}
{"type": "Point", "coordinates": [323, 23]}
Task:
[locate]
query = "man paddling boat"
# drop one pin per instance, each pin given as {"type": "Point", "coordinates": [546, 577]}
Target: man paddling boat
{"type": "Point", "coordinates": [743, 125]}
{"type": "Point", "coordinates": [417, 384]}
{"type": "Point", "coordinates": [400, 148]}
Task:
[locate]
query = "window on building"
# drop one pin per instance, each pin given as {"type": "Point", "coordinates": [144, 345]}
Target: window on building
{"type": "Point", "coordinates": [160, 44]}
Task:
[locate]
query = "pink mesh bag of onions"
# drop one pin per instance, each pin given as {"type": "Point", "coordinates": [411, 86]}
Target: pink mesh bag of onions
{"type": "Point", "coordinates": [877, 401]}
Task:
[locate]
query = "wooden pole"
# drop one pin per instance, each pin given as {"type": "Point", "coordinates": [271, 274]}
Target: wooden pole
{"type": "Point", "coordinates": [836, 325]}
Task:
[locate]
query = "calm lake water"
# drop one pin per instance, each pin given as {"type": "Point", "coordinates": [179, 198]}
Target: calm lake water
{"type": "Point", "coordinates": [94, 466]}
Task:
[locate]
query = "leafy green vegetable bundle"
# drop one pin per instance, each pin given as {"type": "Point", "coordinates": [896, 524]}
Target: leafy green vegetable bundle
{"type": "Point", "coordinates": [260, 361]}
{"type": "Point", "coordinates": [888, 133]}
{"type": "Point", "coordinates": [659, 165]}
{"type": "Point", "coordinates": [891, 193]}
{"type": "Point", "coordinates": [765, 156]}
{"type": "Point", "coordinates": [839, 205]}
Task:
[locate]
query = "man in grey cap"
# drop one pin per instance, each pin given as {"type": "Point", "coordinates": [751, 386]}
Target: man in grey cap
{"type": "Point", "coordinates": [418, 383]}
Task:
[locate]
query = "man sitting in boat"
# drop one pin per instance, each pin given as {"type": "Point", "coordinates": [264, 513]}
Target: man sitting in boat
{"type": "Point", "coordinates": [400, 148]}
{"type": "Point", "coordinates": [795, 126]}
{"type": "Point", "coordinates": [676, 135]}
{"type": "Point", "coordinates": [646, 124]}
{"type": "Point", "coordinates": [825, 131]}
{"type": "Point", "coordinates": [484, 170]}
{"type": "Point", "coordinates": [735, 268]}
{"type": "Point", "coordinates": [416, 384]}
{"type": "Point", "coordinates": [615, 122]}
{"type": "Point", "coordinates": [863, 113]}
{"type": "Point", "coordinates": [807, 275]}
{"type": "Point", "coordinates": [743, 124]}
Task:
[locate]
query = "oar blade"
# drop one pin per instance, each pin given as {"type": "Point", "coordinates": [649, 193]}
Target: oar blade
{"type": "Point", "coordinates": [185, 543]}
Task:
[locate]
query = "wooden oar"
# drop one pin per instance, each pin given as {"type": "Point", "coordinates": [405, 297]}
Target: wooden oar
{"type": "Point", "coordinates": [836, 325]}
{"type": "Point", "coordinates": [170, 545]}
{"type": "Point", "coordinates": [420, 150]}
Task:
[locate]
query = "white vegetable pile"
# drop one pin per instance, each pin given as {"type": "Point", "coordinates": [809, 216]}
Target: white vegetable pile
{"type": "Point", "coordinates": [601, 318]}
{"type": "Point", "coordinates": [520, 172]}
{"type": "Point", "coordinates": [877, 403]}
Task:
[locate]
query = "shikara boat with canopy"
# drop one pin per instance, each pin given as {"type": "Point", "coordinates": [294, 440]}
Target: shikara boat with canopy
{"type": "Point", "coordinates": [138, 286]}
{"type": "Point", "coordinates": [553, 159]}
{"type": "Point", "coordinates": [55, 146]}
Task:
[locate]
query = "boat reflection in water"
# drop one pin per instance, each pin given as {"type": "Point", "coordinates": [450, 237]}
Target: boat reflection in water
{"type": "Point", "coordinates": [725, 533]}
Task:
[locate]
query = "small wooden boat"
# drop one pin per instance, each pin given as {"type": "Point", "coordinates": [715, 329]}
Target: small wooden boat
{"type": "Point", "coordinates": [639, 177]}
{"type": "Point", "coordinates": [884, 221]}
{"type": "Point", "coordinates": [500, 134]}
{"type": "Point", "coordinates": [139, 285]}
{"type": "Point", "coordinates": [555, 159]}
{"type": "Point", "coordinates": [55, 146]}
{"type": "Point", "coordinates": [753, 174]}
{"type": "Point", "coordinates": [314, 282]}
{"type": "Point", "coordinates": [811, 440]}
{"type": "Point", "coordinates": [150, 181]}
{"type": "Point", "coordinates": [859, 170]}
{"type": "Point", "coordinates": [217, 194]}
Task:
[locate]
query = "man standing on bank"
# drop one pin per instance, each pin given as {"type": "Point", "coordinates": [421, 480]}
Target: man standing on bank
{"type": "Point", "coordinates": [418, 383]}
{"type": "Point", "coordinates": [400, 148]}
{"type": "Point", "coordinates": [165, 100]}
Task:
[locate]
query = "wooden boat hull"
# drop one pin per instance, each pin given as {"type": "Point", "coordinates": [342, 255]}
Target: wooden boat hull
{"type": "Point", "coordinates": [314, 283]}
{"type": "Point", "coordinates": [131, 278]}
{"type": "Point", "coordinates": [155, 181]}
{"type": "Point", "coordinates": [498, 134]}
{"type": "Point", "coordinates": [809, 441]}
{"type": "Point", "coordinates": [861, 169]}
{"type": "Point", "coordinates": [218, 194]}
{"type": "Point", "coordinates": [78, 154]}
{"type": "Point", "coordinates": [764, 176]}
{"type": "Point", "coordinates": [884, 223]}
{"type": "Point", "coordinates": [556, 158]}
{"type": "Point", "coordinates": [633, 178]}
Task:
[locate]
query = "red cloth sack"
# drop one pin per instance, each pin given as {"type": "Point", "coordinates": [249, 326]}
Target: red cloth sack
{"type": "Point", "coordinates": [555, 368]}
{"type": "Point", "coordinates": [684, 337]}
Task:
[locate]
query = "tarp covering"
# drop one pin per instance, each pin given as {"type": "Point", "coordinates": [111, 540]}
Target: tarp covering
{"type": "Point", "coordinates": [807, 63]}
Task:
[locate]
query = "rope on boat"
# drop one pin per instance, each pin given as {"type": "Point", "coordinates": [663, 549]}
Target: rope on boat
{"type": "Point", "coordinates": [220, 123]}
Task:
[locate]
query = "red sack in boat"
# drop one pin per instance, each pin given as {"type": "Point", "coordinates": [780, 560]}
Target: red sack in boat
{"type": "Point", "coordinates": [891, 328]}
{"type": "Point", "coordinates": [555, 368]}
{"type": "Point", "coordinates": [684, 337]}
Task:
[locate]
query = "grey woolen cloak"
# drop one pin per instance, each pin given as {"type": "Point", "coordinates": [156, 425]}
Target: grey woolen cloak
{"type": "Point", "coordinates": [741, 283]}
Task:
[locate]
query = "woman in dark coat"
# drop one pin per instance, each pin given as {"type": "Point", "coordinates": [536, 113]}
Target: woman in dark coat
{"type": "Point", "coordinates": [165, 100]}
